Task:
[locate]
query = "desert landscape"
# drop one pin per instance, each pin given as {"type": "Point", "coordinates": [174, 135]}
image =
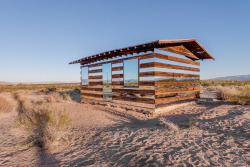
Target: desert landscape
{"type": "Point", "coordinates": [124, 83]}
{"type": "Point", "coordinates": [210, 132]}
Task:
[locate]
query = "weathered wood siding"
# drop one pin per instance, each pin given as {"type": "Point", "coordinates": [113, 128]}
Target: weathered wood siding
{"type": "Point", "coordinates": [151, 92]}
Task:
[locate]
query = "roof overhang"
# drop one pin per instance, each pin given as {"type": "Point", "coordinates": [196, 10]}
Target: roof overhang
{"type": "Point", "coordinates": [187, 47]}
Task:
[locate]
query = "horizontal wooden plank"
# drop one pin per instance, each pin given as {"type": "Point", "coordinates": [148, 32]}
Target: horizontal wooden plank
{"type": "Point", "coordinates": [95, 71]}
{"type": "Point", "coordinates": [117, 83]}
{"type": "Point", "coordinates": [117, 76]}
{"type": "Point", "coordinates": [92, 95]}
{"type": "Point", "coordinates": [134, 99]}
{"type": "Point", "coordinates": [172, 99]}
{"type": "Point", "coordinates": [95, 83]}
{"type": "Point", "coordinates": [95, 77]}
{"type": "Point", "coordinates": [166, 91]}
{"type": "Point", "coordinates": [117, 68]}
{"type": "Point", "coordinates": [147, 83]}
{"type": "Point", "coordinates": [171, 58]}
{"type": "Point", "coordinates": [91, 89]}
{"type": "Point", "coordinates": [177, 83]}
{"type": "Point", "coordinates": [169, 66]}
{"type": "Point", "coordinates": [167, 74]}
{"type": "Point", "coordinates": [121, 60]}
{"type": "Point", "coordinates": [135, 91]}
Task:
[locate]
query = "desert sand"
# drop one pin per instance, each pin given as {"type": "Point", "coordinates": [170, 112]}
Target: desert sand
{"type": "Point", "coordinates": [211, 134]}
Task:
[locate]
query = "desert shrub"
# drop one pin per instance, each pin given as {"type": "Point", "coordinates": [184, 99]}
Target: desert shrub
{"type": "Point", "coordinates": [170, 126]}
{"type": "Point", "coordinates": [45, 127]}
{"type": "Point", "coordinates": [54, 97]}
{"type": "Point", "coordinates": [67, 97]}
{"type": "Point", "coordinates": [52, 87]}
{"type": "Point", "coordinates": [237, 96]}
{"type": "Point", "coordinates": [5, 105]}
{"type": "Point", "coordinates": [40, 102]}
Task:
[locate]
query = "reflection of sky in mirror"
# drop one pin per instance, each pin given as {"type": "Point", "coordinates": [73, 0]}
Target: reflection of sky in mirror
{"type": "Point", "coordinates": [84, 74]}
{"type": "Point", "coordinates": [131, 69]}
{"type": "Point", "coordinates": [106, 72]}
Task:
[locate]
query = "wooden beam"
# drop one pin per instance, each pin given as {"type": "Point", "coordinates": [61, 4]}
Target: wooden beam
{"type": "Point", "coordinates": [117, 76]}
{"type": "Point", "coordinates": [171, 58]}
{"type": "Point", "coordinates": [134, 99]}
{"type": "Point", "coordinates": [92, 95]}
{"type": "Point", "coordinates": [95, 83]}
{"type": "Point", "coordinates": [170, 66]}
{"type": "Point", "coordinates": [117, 68]}
{"type": "Point", "coordinates": [166, 91]}
{"type": "Point", "coordinates": [134, 91]}
{"type": "Point", "coordinates": [91, 89]}
{"type": "Point", "coordinates": [172, 99]}
{"type": "Point", "coordinates": [95, 77]}
{"type": "Point", "coordinates": [167, 74]}
{"type": "Point", "coordinates": [147, 83]}
{"type": "Point", "coordinates": [177, 83]}
{"type": "Point", "coordinates": [95, 71]}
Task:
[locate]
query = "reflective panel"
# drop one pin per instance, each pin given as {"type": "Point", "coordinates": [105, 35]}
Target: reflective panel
{"type": "Point", "coordinates": [107, 82]}
{"type": "Point", "coordinates": [85, 75]}
{"type": "Point", "coordinates": [131, 73]}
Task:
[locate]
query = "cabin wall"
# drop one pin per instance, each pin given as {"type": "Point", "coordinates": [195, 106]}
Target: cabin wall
{"type": "Point", "coordinates": [175, 78]}
{"type": "Point", "coordinates": [158, 85]}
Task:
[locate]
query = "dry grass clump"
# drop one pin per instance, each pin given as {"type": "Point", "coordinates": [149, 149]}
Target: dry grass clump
{"type": "Point", "coordinates": [67, 97]}
{"type": "Point", "coordinates": [54, 97]}
{"type": "Point", "coordinates": [5, 105]}
{"type": "Point", "coordinates": [171, 126]}
{"type": "Point", "coordinates": [46, 127]}
{"type": "Point", "coordinates": [238, 96]}
{"type": "Point", "coordinates": [40, 102]}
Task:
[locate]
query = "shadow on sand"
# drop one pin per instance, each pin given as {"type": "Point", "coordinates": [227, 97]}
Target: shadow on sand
{"type": "Point", "coordinates": [137, 142]}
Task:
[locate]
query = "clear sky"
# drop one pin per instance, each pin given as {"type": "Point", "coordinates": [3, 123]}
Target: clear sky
{"type": "Point", "coordinates": [39, 38]}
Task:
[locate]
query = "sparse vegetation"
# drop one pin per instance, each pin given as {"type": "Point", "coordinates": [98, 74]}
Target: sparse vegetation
{"type": "Point", "coordinates": [46, 127]}
{"type": "Point", "coordinates": [67, 97]}
{"type": "Point", "coordinates": [235, 95]}
{"type": "Point", "coordinates": [223, 83]}
{"type": "Point", "coordinates": [5, 105]}
{"type": "Point", "coordinates": [54, 97]}
{"type": "Point", "coordinates": [171, 126]}
{"type": "Point", "coordinates": [40, 102]}
{"type": "Point", "coordinates": [39, 86]}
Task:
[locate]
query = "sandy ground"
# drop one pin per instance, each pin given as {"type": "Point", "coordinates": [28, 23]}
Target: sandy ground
{"type": "Point", "coordinates": [211, 134]}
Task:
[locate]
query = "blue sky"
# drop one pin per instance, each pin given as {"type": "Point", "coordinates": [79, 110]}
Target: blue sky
{"type": "Point", "coordinates": [39, 38]}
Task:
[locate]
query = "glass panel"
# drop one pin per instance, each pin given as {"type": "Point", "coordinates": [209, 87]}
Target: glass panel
{"type": "Point", "coordinates": [131, 70]}
{"type": "Point", "coordinates": [106, 82]}
{"type": "Point", "coordinates": [84, 76]}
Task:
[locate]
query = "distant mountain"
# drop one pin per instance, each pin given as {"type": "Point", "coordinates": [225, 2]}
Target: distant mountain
{"type": "Point", "coordinates": [236, 77]}
{"type": "Point", "coordinates": [5, 83]}
{"type": "Point", "coordinates": [49, 82]}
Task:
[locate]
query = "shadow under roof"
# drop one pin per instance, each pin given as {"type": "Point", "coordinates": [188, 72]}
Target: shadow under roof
{"type": "Point", "coordinates": [187, 47]}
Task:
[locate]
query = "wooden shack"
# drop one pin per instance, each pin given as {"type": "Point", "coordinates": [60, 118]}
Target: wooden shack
{"type": "Point", "coordinates": [148, 77]}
